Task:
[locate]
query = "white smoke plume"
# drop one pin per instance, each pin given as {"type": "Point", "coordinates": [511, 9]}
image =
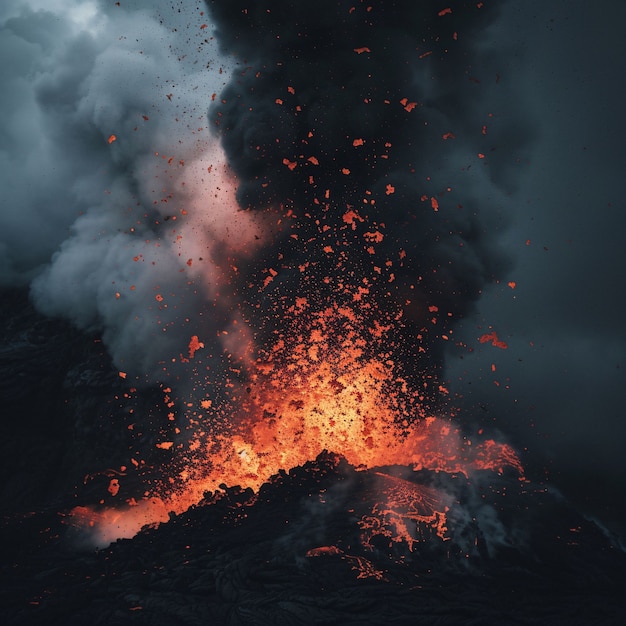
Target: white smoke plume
{"type": "Point", "coordinates": [115, 194]}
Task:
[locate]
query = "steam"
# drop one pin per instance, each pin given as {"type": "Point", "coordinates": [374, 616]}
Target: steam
{"type": "Point", "coordinates": [116, 195]}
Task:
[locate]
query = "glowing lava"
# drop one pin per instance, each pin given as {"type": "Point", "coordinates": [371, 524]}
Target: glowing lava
{"type": "Point", "coordinates": [328, 391]}
{"type": "Point", "coordinates": [334, 362]}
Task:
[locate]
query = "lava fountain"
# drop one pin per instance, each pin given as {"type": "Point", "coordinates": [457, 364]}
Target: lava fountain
{"type": "Point", "coordinates": [336, 318]}
{"type": "Point", "coordinates": [331, 381]}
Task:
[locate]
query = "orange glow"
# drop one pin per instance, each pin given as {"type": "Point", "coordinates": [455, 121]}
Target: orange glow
{"type": "Point", "coordinates": [400, 508]}
{"type": "Point", "coordinates": [328, 380]}
{"type": "Point", "coordinates": [114, 486]}
{"type": "Point", "coordinates": [408, 106]}
{"type": "Point", "coordinates": [110, 524]}
{"type": "Point", "coordinates": [324, 551]}
{"type": "Point", "coordinates": [325, 387]}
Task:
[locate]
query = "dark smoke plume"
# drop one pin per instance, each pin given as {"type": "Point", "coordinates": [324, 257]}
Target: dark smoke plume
{"type": "Point", "coordinates": [374, 107]}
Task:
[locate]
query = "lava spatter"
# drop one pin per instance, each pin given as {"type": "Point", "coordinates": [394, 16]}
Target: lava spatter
{"type": "Point", "coordinates": [328, 383]}
{"type": "Point", "coordinates": [334, 318]}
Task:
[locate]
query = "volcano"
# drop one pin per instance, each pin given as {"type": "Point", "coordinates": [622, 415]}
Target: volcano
{"type": "Point", "coordinates": [224, 371]}
{"type": "Point", "coordinates": [323, 543]}
{"type": "Point", "coordinates": [327, 544]}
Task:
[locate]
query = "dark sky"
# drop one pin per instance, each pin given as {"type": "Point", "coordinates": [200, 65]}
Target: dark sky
{"type": "Point", "coordinates": [563, 322]}
{"type": "Point", "coordinates": [86, 70]}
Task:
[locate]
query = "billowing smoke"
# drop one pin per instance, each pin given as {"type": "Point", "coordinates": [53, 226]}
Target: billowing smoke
{"type": "Point", "coordinates": [341, 201]}
{"type": "Point", "coordinates": [326, 187]}
{"type": "Point", "coordinates": [121, 210]}
{"type": "Point", "coordinates": [374, 114]}
{"type": "Point", "coordinates": [334, 164]}
{"type": "Point", "coordinates": [117, 201]}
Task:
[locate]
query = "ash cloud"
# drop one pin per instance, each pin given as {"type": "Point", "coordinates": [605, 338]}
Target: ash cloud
{"type": "Point", "coordinates": [335, 104]}
{"type": "Point", "coordinates": [77, 210]}
{"type": "Point", "coordinates": [89, 221]}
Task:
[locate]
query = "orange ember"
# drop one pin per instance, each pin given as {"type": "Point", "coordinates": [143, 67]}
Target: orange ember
{"type": "Point", "coordinates": [330, 386]}
{"type": "Point", "coordinates": [332, 375]}
{"type": "Point", "coordinates": [194, 345]}
{"type": "Point", "coordinates": [495, 341]}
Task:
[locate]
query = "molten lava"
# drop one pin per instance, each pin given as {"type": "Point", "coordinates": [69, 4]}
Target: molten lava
{"type": "Point", "coordinates": [332, 363]}
{"type": "Point", "coordinates": [325, 386]}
